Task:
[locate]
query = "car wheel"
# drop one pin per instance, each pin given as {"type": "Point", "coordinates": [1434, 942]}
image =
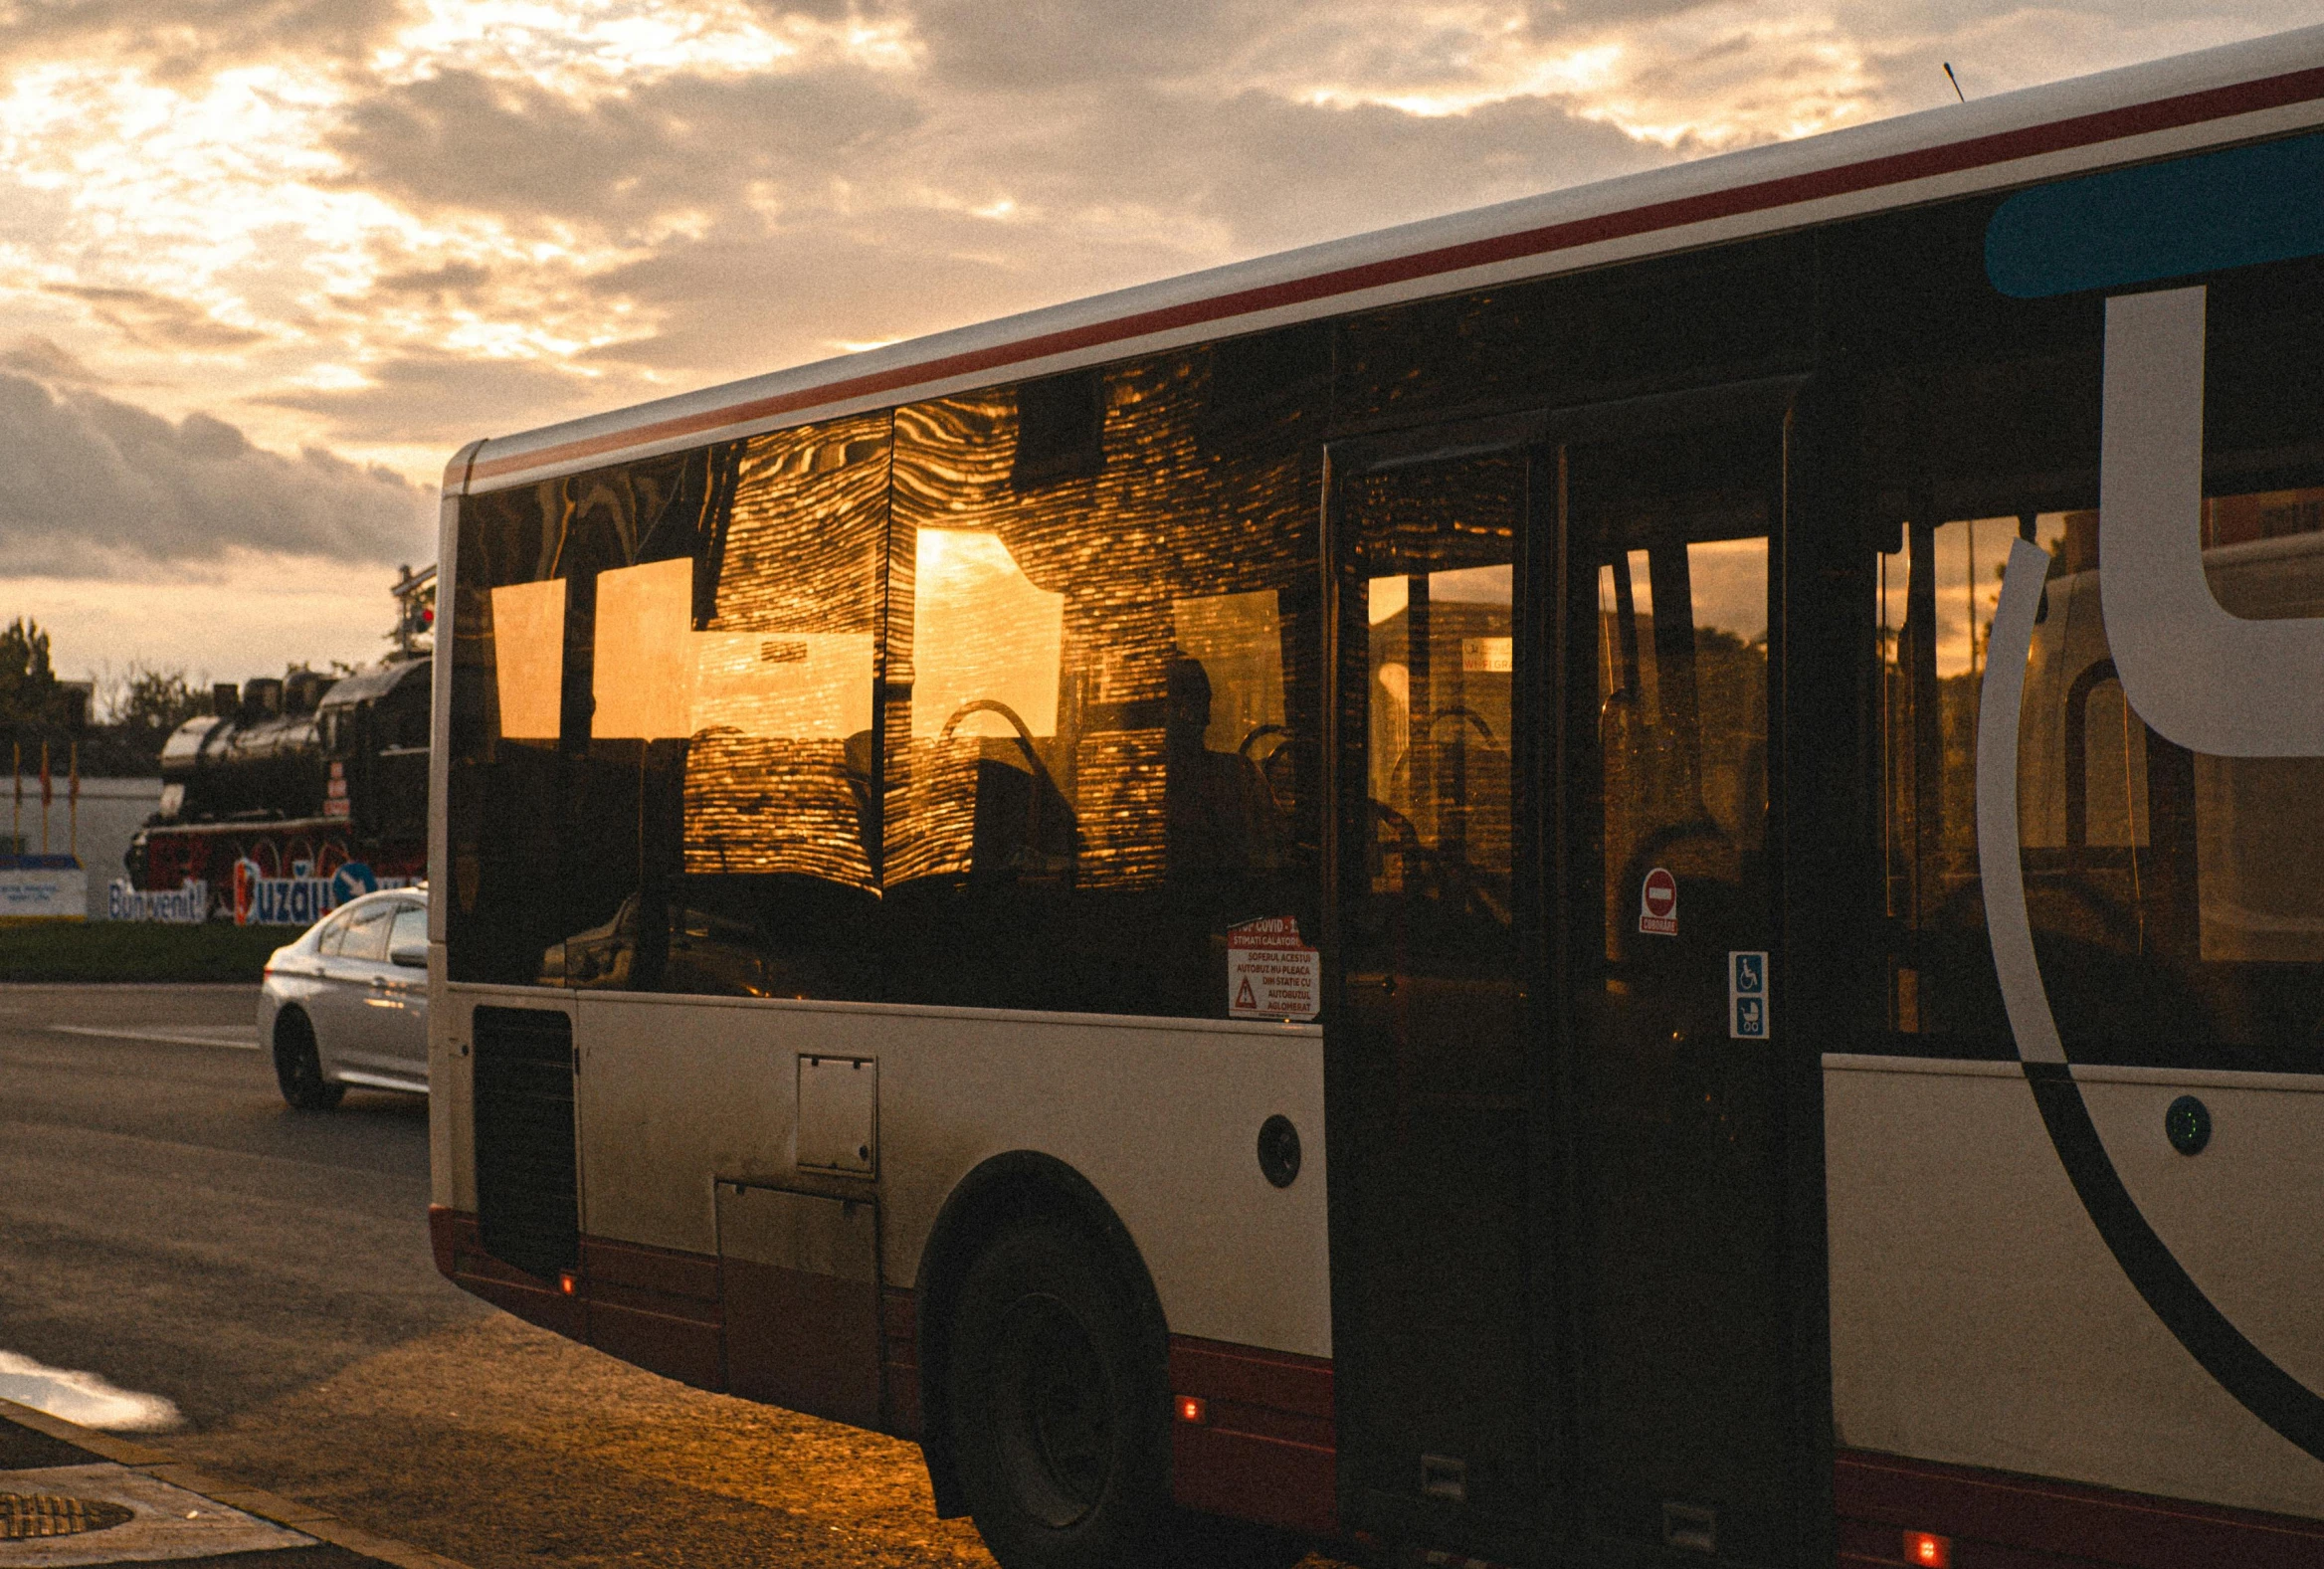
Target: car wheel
{"type": "Point", "coordinates": [1058, 1407]}
{"type": "Point", "coordinates": [299, 1065]}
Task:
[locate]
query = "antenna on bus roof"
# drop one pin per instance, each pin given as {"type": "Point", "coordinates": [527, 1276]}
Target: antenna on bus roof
{"type": "Point", "coordinates": [1956, 81]}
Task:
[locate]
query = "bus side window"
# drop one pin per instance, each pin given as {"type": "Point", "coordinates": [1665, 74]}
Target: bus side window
{"type": "Point", "coordinates": [2217, 885]}
{"type": "Point", "coordinates": [1102, 695]}
{"type": "Point", "coordinates": [1937, 596]}
{"type": "Point", "coordinates": [2173, 897]}
{"type": "Point", "coordinates": [776, 890]}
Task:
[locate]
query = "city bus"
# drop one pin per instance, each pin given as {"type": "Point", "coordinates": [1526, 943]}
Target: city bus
{"type": "Point", "coordinates": [1635, 878]}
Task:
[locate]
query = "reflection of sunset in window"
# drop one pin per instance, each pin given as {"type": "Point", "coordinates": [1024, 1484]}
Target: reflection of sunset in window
{"type": "Point", "coordinates": [778, 772]}
{"type": "Point", "coordinates": [528, 657]}
{"type": "Point", "coordinates": [796, 685]}
{"type": "Point", "coordinates": [1031, 818]}
{"type": "Point", "coordinates": [981, 630]}
{"type": "Point", "coordinates": [657, 677]}
{"type": "Point", "coordinates": [643, 680]}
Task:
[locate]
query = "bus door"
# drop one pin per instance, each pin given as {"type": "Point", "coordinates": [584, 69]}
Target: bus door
{"type": "Point", "coordinates": [1689, 1417]}
{"type": "Point", "coordinates": [1577, 1305]}
{"type": "Point", "coordinates": [1438, 1400]}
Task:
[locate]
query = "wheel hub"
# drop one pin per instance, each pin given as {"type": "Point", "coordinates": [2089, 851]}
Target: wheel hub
{"type": "Point", "coordinates": [1056, 1410]}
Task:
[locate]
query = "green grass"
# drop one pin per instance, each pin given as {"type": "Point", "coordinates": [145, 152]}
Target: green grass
{"type": "Point", "coordinates": [121, 950]}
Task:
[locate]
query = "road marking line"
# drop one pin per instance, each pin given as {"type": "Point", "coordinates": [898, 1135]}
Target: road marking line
{"type": "Point", "coordinates": [174, 1038]}
{"type": "Point", "coordinates": [88, 1397]}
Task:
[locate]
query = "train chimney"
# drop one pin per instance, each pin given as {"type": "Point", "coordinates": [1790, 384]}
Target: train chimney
{"type": "Point", "coordinates": [302, 689]}
{"type": "Point", "coordinates": [225, 699]}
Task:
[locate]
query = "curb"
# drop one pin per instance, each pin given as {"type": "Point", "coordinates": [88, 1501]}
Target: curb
{"type": "Point", "coordinates": [321, 1524]}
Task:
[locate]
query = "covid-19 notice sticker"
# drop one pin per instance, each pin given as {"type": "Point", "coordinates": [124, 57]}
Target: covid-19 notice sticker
{"type": "Point", "coordinates": [1659, 903]}
{"type": "Point", "coordinates": [1270, 973]}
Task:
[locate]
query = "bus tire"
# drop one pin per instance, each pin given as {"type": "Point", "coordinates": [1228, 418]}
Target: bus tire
{"type": "Point", "coordinates": [1058, 1408]}
{"type": "Point", "coordinates": [299, 1065]}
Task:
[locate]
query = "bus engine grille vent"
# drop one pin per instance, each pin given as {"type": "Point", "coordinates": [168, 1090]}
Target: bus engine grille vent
{"type": "Point", "coordinates": [527, 1196]}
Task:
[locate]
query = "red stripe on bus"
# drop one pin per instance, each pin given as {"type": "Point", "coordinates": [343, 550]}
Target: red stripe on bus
{"type": "Point", "coordinates": [458, 1244]}
{"type": "Point", "coordinates": [656, 1308]}
{"type": "Point", "coordinates": [1996, 1519]}
{"type": "Point", "coordinates": [900, 1361]}
{"type": "Point", "coordinates": [1266, 1448]}
{"type": "Point", "coordinates": [2081, 130]}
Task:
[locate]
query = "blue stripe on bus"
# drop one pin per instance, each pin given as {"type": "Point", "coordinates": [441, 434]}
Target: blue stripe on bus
{"type": "Point", "coordinates": [2165, 220]}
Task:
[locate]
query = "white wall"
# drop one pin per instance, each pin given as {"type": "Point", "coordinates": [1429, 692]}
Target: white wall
{"type": "Point", "coordinates": [111, 810]}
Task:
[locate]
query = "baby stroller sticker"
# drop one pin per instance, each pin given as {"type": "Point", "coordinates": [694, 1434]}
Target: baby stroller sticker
{"type": "Point", "coordinates": [1746, 996]}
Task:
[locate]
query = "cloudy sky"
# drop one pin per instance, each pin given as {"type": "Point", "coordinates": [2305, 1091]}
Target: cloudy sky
{"type": "Point", "coordinates": [265, 263]}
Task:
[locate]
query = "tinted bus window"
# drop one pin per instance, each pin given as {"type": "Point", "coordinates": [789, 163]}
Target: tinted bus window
{"type": "Point", "coordinates": [679, 719]}
{"type": "Point", "coordinates": [564, 819]}
{"type": "Point", "coordinates": [1037, 743]}
{"type": "Point", "coordinates": [1100, 736]}
{"type": "Point", "coordinates": [2173, 896]}
{"type": "Point", "coordinates": [1936, 600]}
{"type": "Point", "coordinates": [778, 880]}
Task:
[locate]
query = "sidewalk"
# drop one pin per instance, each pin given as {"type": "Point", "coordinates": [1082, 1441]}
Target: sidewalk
{"type": "Point", "coordinates": [97, 1499]}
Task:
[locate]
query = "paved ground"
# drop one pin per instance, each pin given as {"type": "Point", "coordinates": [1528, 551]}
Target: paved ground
{"type": "Point", "coordinates": [166, 1223]}
{"type": "Point", "coordinates": [72, 1496]}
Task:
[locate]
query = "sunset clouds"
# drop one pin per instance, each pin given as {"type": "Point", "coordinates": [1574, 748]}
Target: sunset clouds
{"type": "Point", "coordinates": [266, 264]}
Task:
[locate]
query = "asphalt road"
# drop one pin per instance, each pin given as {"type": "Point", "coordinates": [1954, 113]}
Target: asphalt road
{"type": "Point", "coordinates": [168, 1223]}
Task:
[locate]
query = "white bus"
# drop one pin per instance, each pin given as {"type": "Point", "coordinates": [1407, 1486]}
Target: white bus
{"type": "Point", "coordinates": [1515, 890]}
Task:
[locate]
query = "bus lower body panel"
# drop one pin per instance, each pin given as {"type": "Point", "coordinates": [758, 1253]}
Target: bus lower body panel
{"type": "Point", "coordinates": [1252, 1429]}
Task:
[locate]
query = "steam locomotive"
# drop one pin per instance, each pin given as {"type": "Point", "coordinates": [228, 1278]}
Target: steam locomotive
{"type": "Point", "coordinates": [298, 776]}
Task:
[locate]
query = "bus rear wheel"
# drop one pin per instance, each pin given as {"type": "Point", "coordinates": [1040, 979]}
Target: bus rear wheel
{"type": "Point", "coordinates": [1059, 1408]}
{"type": "Point", "coordinates": [299, 1065]}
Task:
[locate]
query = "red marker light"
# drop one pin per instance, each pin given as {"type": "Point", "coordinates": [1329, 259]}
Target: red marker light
{"type": "Point", "coordinates": [567, 1284]}
{"type": "Point", "coordinates": [1926, 1550]}
{"type": "Point", "coordinates": [1193, 1408]}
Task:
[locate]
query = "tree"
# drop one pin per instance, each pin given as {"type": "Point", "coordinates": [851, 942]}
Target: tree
{"type": "Point", "coordinates": [141, 705]}
{"type": "Point", "coordinates": [32, 700]}
{"type": "Point", "coordinates": [150, 703]}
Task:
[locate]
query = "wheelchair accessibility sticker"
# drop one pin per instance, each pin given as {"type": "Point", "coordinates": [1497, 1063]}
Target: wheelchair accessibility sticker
{"type": "Point", "coordinates": [1746, 996]}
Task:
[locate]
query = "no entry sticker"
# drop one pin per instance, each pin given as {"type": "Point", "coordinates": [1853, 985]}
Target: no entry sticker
{"type": "Point", "coordinates": [1659, 903]}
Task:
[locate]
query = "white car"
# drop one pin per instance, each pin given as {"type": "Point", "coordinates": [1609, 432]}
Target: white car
{"type": "Point", "coordinates": [347, 1003]}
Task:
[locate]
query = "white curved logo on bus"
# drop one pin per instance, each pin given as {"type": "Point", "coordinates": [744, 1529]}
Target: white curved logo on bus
{"type": "Point", "coordinates": [2207, 680]}
{"type": "Point", "coordinates": [2204, 678]}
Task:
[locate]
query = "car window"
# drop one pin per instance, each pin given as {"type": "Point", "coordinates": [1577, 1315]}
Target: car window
{"type": "Point", "coordinates": [410, 927]}
{"type": "Point", "coordinates": [366, 937]}
{"type": "Point", "coordinates": [334, 932]}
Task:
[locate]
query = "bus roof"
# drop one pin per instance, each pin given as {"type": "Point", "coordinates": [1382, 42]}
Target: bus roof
{"type": "Point", "coordinates": [2236, 92]}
